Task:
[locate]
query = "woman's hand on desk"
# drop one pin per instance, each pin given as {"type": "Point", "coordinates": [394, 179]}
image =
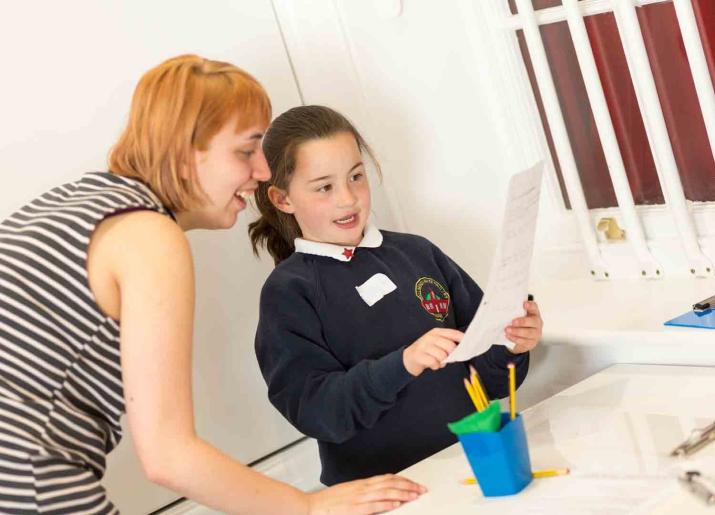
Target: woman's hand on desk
{"type": "Point", "coordinates": [525, 331]}
{"type": "Point", "coordinates": [365, 496]}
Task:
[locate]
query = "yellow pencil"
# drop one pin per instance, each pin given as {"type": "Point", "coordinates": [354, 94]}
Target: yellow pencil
{"type": "Point", "coordinates": [550, 473]}
{"type": "Point", "coordinates": [472, 395]}
{"type": "Point", "coordinates": [477, 386]}
{"type": "Point", "coordinates": [535, 474]}
{"type": "Point", "coordinates": [512, 390]}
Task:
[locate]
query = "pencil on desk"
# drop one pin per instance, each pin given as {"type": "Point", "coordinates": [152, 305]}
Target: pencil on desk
{"type": "Point", "coordinates": [535, 474]}
{"type": "Point", "coordinates": [472, 395]}
{"type": "Point", "coordinates": [550, 473]}
{"type": "Point", "coordinates": [512, 390]}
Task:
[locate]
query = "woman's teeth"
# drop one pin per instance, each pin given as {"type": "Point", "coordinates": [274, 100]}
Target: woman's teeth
{"type": "Point", "coordinates": [347, 220]}
{"type": "Point", "coordinates": [245, 195]}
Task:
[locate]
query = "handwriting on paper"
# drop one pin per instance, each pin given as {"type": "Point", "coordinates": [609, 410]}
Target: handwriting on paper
{"type": "Point", "coordinates": [509, 277]}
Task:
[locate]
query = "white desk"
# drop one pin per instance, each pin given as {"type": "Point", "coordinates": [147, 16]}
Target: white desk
{"type": "Point", "coordinates": [614, 430]}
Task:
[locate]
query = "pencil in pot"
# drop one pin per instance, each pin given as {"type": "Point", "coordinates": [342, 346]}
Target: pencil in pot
{"type": "Point", "coordinates": [472, 395]}
{"type": "Point", "coordinates": [478, 387]}
{"type": "Point", "coordinates": [512, 390]}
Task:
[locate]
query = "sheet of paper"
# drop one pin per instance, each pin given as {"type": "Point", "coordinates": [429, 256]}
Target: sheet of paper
{"type": "Point", "coordinates": [509, 278]}
{"type": "Point", "coordinates": [585, 496]}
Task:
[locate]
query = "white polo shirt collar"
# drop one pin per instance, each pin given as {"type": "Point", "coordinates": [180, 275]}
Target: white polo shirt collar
{"type": "Point", "coordinates": [372, 238]}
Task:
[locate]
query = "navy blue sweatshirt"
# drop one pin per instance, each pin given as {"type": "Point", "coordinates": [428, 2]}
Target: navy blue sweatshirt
{"type": "Point", "coordinates": [333, 364]}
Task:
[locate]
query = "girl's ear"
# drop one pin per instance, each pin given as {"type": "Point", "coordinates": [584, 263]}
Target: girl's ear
{"type": "Point", "coordinates": [280, 200]}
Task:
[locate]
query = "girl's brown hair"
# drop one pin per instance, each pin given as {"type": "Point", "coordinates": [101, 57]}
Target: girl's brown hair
{"type": "Point", "coordinates": [274, 229]}
{"type": "Point", "coordinates": [177, 108]}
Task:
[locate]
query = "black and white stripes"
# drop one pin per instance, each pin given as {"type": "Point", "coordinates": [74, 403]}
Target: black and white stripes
{"type": "Point", "coordinates": [61, 393]}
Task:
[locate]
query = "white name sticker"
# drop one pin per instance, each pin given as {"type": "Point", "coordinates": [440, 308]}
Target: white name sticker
{"type": "Point", "coordinates": [375, 288]}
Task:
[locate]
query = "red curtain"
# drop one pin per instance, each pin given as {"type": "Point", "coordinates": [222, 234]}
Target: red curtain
{"type": "Point", "coordinates": [542, 114]}
{"type": "Point", "coordinates": [580, 124]}
{"type": "Point", "coordinates": [676, 92]}
{"type": "Point", "coordinates": [623, 107]}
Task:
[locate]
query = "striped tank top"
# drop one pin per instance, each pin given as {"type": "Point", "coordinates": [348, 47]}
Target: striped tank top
{"type": "Point", "coordinates": [61, 394]}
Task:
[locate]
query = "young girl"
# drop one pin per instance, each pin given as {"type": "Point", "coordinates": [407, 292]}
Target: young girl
{"type": "Point", "coordinates": [354, 321]}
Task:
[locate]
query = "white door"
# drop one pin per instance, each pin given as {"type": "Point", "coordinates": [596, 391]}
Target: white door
{"type": "Point", "coordinates": [68, 72]}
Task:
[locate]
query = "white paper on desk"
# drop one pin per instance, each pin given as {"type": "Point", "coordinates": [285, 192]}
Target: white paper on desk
{"type": "Point", "coordinates": [509, 278]}
{"type": "Point", "coordinates": [585, 496]}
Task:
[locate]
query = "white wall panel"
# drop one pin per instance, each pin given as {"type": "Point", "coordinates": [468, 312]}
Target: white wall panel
{"type": "Point", "coordinates": [419, 85]}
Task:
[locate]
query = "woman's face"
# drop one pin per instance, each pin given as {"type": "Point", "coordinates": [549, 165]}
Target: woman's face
{"type": "Point", "coordinates": [329, 194]}
{"type": "Point", "coordinates": [228, 172]}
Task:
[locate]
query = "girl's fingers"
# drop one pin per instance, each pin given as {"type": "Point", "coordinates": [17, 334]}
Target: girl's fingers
{"type": "Point", "coordinates": [532, 308]}
{"type": "Point", "coordinates": [530, 342]}
{"type": "Point", "coordinates": [446, 345]}
{"type": "Point", "coordinates": [521, 349]}
{"type": "Point", "coordinates": [524, 332]}
{"type": "Point", "coordinates": [427, 360]}
{"type": "Point", "coordinates": [522, 345]}
{"type": "Point", "coordinates": [530, 321]}
{"type": "Point", "coordinates": [450, 334]}
{"type": "Point", "coordinates": [437, 353]}
{"type": "Point", "coordinates": [435, 363]}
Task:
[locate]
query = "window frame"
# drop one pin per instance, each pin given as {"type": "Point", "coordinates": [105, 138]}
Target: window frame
{"type": "Point", "coordinates": [656, 220]}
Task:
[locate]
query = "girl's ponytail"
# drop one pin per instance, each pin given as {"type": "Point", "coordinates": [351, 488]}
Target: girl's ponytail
{"type": "Point", "coordinates": [274, 230]}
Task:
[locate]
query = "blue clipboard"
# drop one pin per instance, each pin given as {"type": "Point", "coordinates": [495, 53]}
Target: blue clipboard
{"type": "Point", "coordinates": [701, 320]}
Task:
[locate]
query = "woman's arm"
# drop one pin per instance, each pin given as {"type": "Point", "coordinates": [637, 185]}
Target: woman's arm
{"type": "Point", "coordinates": [149, 261]}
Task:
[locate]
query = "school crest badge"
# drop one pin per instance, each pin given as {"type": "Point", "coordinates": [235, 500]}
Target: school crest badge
{"type": "Point", "coordinates": [433, 297]}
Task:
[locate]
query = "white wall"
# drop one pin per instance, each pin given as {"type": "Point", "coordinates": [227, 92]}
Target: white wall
{"type": "Point", "coordinates": [69, 69]}
{"type": "Point", "coordinates": [418, 85]}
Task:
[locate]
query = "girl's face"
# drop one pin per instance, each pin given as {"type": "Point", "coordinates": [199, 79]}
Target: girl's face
{"type": "Point", "coordinates": [328, 194]}
{"type": "Point", "coordinates": [228, 171]}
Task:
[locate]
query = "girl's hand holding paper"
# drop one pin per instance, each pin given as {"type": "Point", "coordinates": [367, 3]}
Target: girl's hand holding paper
{"type": "Point", "coordinates": [430, 350]}
{"type": "Point", "coordinates": [525, 332]}
{"type": "Point", "coordinates": [509, 275]}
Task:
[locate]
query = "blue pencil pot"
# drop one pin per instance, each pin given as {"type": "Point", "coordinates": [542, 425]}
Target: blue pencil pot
{"type": "Point", "coordinates": [500, 459]}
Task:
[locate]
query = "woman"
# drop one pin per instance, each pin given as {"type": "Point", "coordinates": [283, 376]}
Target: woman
{"type": "Point", "coordinates": [109, 251]}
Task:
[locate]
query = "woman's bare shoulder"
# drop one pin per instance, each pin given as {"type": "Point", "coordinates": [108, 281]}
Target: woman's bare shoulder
{"type": "Point", "coordinates": [139, 246]}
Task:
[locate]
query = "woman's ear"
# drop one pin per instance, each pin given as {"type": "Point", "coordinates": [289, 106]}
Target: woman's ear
{"type": "Point", "coordinates": [280, 200]}
{"type": "Point", "coordinates": [185, 170]}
